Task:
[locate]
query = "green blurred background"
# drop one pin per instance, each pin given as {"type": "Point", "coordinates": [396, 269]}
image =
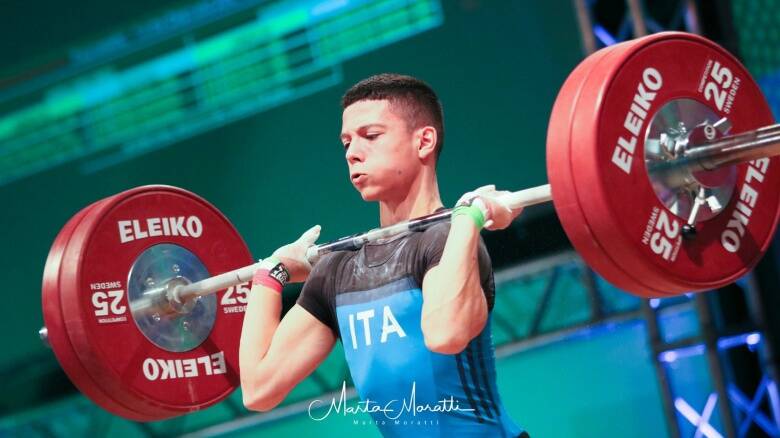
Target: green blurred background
{"type": "Point", "coordinates": [276, 173]}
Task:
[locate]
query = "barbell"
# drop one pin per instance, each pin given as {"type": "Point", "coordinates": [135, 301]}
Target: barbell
{"type": "Point", "coordinates": [658, 158]}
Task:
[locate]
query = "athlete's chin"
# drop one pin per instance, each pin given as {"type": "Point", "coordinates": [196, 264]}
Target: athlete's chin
{"type": "Point", "coordinates": [369, 194]}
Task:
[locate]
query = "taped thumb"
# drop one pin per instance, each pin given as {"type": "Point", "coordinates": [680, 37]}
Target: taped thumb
{"type": "Point", "coordinates": [310, 236]}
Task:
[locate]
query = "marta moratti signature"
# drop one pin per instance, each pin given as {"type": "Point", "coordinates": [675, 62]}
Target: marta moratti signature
{"type": "Point", "coordinates": [392, 409]}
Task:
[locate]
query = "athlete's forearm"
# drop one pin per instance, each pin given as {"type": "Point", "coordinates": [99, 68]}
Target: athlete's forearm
{"type": "Point", "coordinates": [263, 382]}
{"type": "Point", "coordinates": [261, 320]}
{"type": "Point", "coordinates": [454, 307]}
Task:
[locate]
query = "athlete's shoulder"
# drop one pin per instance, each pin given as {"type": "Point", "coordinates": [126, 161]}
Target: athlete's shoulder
{"type": "Point", "coordinates": [327, 262]}
{"type": "Point", "coordinates": [437, 231]}
{"type": "Point", "coordinates": [324, 270]}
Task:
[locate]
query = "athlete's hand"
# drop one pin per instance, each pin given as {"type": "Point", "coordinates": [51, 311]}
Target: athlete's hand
{"type": "Point", "coordinates": [293, 255]}
{"type": "Point", "coordinates": [498, 215]}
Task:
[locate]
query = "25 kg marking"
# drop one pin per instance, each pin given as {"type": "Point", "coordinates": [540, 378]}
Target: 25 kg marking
{"type": "Point", "coordinates": [235, 298]}
{"type": "Point", "coordinates": [664, 235]}
{"type": "Point", "coordinates": [108, 306]}
{"type": "Point", "coordinates": [721, 86]}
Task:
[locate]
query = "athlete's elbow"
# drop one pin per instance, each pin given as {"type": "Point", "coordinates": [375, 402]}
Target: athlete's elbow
{"type": "Point", "coordinates": [260, 399]}
{"type": "Point", "coordinates": [259, 393]}
{"type": "Point", "coordinates": [446, 336]}
{"type": "Point", "coordinates": [444, 341]}
{"type": "Point", "coordinates": [257, 405]}
{"type": "Point", "coordinates": [446, 347]}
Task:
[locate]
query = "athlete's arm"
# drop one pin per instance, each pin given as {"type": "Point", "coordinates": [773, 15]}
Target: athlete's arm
{"type": "Point", "coordinates": [275, 355]}
{"type": "Point", "coordinates": [454, 305]}
{"type": "Point", "coordinates": [293, 349]}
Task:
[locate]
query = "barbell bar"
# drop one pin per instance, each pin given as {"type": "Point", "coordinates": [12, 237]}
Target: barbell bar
{"type": "Point", "coordinates": [727, 151]}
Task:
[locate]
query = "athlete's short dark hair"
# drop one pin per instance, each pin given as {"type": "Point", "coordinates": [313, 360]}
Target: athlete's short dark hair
{"type": "Point", "coordinates": [409, 97]}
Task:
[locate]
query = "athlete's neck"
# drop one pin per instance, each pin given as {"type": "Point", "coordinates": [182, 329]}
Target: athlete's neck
{"type": "Point", "coordinates": [421, 199]}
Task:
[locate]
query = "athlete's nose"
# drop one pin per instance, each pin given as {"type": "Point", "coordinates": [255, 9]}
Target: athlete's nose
{"type": "Point", "coordinates": [354, 153]}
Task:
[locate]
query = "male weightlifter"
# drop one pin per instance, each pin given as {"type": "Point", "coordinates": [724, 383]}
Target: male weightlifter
{"type": "Point", "coordinates": [412, 311]}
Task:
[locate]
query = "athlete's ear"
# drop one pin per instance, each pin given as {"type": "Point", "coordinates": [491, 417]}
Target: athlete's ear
{"type": "Point", "coordinates": [425, 141]}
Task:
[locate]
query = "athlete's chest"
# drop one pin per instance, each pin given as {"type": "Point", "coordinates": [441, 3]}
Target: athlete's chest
{"type": "Point", "coordinates": [380, 299]}
{"type": "Point", "coordinates": [385, 316]}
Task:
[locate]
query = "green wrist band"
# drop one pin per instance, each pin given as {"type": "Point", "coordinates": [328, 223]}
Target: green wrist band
{"type": "Point", "coordinates": [474, 212]}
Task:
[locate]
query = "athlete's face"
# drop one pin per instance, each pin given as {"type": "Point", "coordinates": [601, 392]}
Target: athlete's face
{"type": "Point", "coordinates": [380, 151]}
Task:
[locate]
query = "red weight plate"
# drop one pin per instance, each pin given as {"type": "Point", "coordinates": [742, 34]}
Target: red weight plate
{"type": "Point", "coordinates": [55, 325]}
{"type": "Point", "coordinates": [117, 355]}
{"type": "Point", "coordinates": [119, 404]}
{"type": "Point", "coordinates": [626, 217]}
{"type": "Point", "coordinates": [560, 138]}
{"type": "Point", "coordinates": [610, 265]}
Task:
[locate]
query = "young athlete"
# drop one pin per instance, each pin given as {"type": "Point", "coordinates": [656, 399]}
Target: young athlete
{"type": "Point", "coordinates": [413, 311]}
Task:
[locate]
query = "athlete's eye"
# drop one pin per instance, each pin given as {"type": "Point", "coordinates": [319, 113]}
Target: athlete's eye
{"type": "Point", "coordinates": [346, 146]}
{"type": "Point", "coordinates": [373, 135]}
